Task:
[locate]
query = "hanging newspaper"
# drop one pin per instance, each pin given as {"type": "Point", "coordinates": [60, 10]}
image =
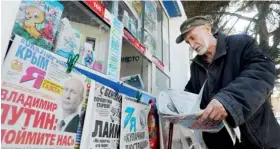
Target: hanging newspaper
{"type": "Point", "coordinates": [134, 124]}
{"type": "Point", "coordinates": [184, 108]}
{"type": "Point", "coordinates": [41, 103]}
{"type": "Point", "coordinates": [165, 129]}
{"type": "Point", "coordinates": [102, 122]}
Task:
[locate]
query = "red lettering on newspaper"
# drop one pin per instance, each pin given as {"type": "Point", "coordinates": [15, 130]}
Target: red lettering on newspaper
{"type": "Point", "coordinates": [65, 140]}
{"type": "Point", "coordinates": [32, 118]}
{"type": "Point", "coordinates": [30, 71]}
{"type": "Point", "coordinates": [25, 137]}
{"type": "Point", "coordinates": [27, 100]}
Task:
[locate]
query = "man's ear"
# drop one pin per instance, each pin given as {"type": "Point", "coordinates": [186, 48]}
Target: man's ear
{"type": "Point", "coordinates": [207, 27]}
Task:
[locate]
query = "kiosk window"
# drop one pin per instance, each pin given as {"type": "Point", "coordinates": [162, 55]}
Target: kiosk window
{"type": "Point", "coordinates": [165, 40]}
{"type": "Point", "coordinates": [135, 68]}
{"type": "Point", "coordinates": [162, 80]}
{"type": "Point", "coordinates": [94, 33]}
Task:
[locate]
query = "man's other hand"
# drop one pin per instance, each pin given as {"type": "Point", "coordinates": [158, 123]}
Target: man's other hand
{"type": "Point", "coordinates": [214, 111]}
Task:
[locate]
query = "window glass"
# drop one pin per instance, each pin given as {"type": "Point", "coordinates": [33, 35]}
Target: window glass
{"type": "Point", "coordinates": [165, 42]}
{"type": "Point", "coordinates": [127, 18]}
{"type": "Point", "coordinates": [150, 26]}
{"type": "Point", "coordinates": [162, 81]}
{"type": "Point", "coordinates": [135, 68]}
{"type": "Point", "coordinates": [149, 42]}
{"type": "Point", "coordinates": [138, 7]}
{"type": "Point", "coordinates": [94, 41]}
{"type": "Point", "coordinates": [150, 17]}
{"type": "Point", "coordinates": [159, 47]}
{"type": "Point", "coordinates": [108, 5]}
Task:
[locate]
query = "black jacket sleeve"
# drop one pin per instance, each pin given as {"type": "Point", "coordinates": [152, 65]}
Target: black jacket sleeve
{"type": "Point", "coordinates": [243, 96]}
{"type": "Point", "coordinates": [190, 86]}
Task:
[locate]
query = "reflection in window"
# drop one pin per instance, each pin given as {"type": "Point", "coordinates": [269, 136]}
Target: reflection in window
{"type": "Point", "coordinates": [159, 33]}
{"type": "Point", "coordinates": [150, 26]}
{"type": "Point", "coordinates": [108, 5]}
{"type": "Point", "coordinates": [135, 65]}
{"type": "Point", "coordinates": [138, 6]}
{"type": "Point", "coordinates": [150, 17]}
{"type": "Point", "coordinates": [94, 35]}
{"type": "Point", "coordinates": [165, 42]}
{"type": "Point", "coordinates": [162, 81]}
{"type": "Point", "coordinates": [149, 42]}
{"type": "Point", "coordinates": [127, 18]}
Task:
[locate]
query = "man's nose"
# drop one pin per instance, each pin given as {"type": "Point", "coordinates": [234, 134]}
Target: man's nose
{"type": "Point", "coordinates": [191, 43]}
{"type": "Point", "coordinates": [68, 94]}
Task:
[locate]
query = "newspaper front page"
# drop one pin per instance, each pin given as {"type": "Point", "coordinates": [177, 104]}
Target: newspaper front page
{"type": "Point", "coordinates": [102, 122]}
{"type": "Point", "coordinates": [134, 124]}
{"type": "Point", "coordinates": [40, 102]}
{"type": "Point", "coordinates": [183, 108]}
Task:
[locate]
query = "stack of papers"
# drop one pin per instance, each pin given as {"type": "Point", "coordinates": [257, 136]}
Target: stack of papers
{"type": "Point", "coordinates": [183, 108]}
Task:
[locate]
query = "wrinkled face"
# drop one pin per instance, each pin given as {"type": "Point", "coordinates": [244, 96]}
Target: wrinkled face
{"type": "Point", "coordinates": [198, 38]}
{"type": "Point", "coordinates": [72, 95]}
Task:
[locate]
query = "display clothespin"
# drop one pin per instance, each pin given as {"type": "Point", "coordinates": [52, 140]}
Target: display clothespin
{"type": "Point", "coordinates": [71, 62]}
{"type": "Point", "coordinates": [138, 96]}
{"type": "Point", "coordinates": [117, 92]}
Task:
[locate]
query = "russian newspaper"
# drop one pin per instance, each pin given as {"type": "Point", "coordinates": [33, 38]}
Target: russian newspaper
{"type": "Point", "coordinates": [41, 103]}
{"type": "Point", "coordinates": [102, 122]}
{"type": "Point", "coordinates": [183, 108]}
{"type": "Point", "coordinates": [134, 124]}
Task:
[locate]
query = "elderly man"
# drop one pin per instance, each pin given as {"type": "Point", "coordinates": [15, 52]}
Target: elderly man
{"type": "Point", "coordinates": [71, 99]}
{"type": "Point", "coordinates": [239, 78]}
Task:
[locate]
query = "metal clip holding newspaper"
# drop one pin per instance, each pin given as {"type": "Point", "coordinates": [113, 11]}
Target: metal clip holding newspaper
{"type": "Point", "coordinates": [183, 108]}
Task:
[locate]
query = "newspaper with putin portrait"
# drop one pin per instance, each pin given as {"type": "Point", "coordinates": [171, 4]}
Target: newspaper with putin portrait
{"type": "Point", "coordinates": [42, 105]}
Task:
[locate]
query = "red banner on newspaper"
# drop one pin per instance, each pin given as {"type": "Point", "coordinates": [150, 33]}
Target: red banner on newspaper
{"type": "Point", "coordinates": [40, 102]}
{"type": "Point", "coordinates": [96, 6]}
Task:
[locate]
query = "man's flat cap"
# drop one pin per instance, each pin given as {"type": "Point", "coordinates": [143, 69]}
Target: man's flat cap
{"type": "Point", "coordinates": [189, 24]}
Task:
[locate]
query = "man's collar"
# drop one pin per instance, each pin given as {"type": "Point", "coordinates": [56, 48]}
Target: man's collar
{"type": "Point", "coordinates": [221, 49]}
{"type": "Point", "coordinates": [70, 117]}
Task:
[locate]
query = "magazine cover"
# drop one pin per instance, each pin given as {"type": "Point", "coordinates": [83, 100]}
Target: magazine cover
{"type": "Point", "coordinates": [134, 80]}
{"type": "Point", "coordinates": [134, 124]}
{"type": "Point", "coordinates": [37, 22]}
{"type": "Point", "coordinates": [41, 103]}
{"type": "Point", "coordinates": [88, 56]}
{"type": "Point", "coordinates": [102, 122]}
{"type": "Point", "coordinates": [68, 40]}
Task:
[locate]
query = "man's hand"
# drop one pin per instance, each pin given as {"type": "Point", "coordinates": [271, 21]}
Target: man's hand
{"type": "Point", "coordinates": [214, 111]}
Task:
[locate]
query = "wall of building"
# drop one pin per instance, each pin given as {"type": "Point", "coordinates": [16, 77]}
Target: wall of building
{"type": "Point", "coordinates": [179, 53]}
